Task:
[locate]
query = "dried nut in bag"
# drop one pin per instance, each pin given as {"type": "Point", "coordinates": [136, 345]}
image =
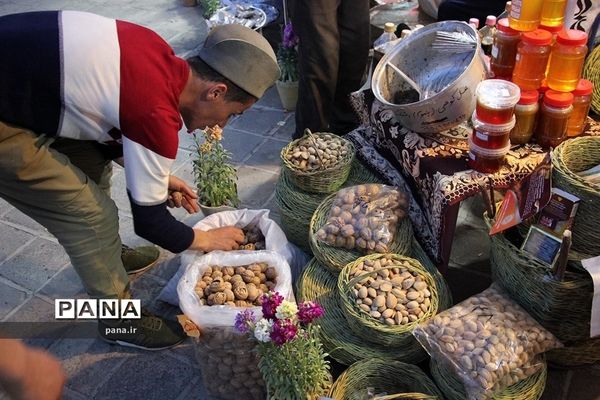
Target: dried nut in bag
{"type": "Point", "coordinates": [240, 286]}
{"type": "Point", "coordinates": [317, 152]}
{"type": "Point", "coordinates": [229, 365]}
{"type": "Point", "coordinates": [393, 296]}
{"type": "Point", "coordinates": [364, 217]}
{"type": "Point", "coordinates": [488, 340]}
{"type": "Point", "coordinates": [253, 238]}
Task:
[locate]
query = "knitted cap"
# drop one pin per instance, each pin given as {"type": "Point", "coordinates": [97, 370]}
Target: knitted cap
{"type": "Point", "coordinates": [241, 55]}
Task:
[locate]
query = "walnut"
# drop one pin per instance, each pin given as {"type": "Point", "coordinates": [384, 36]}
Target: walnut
{"type": "Point", "coordinates": [240, 270]}
{"type": "Point", "coordinates": [240, 292]}
{"type": "Point", "coordinates": [241, 303]}
{"type": "Point", "coordinates": [229, 295]}
{"type": "Point", "coordinates": [247, 276]}
{"type": "Point", "coordinates": [220, 298]}
{"type": "Point", "coordinates": [252, 292]}
{"type": "Point", "coordinates": [217, 285]}
{"type": "Point", "coordinates": [228, 271]}
{"type": "Point", "coordinates": [271, 273]}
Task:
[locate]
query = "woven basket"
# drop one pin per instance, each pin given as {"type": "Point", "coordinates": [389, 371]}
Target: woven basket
{"type": "Point", "coordinates": [591, 72]}
{"type": "Point", "coordinates": [407, 396]}
{"type": "Point", "coordinates": [297, 206]}
{"type": "Point", "coordinates": [322, 181]}
{"type": "Point", "coordinates": [335, 258]}
{"type": "Point", "coordinates": [576, 354]}
{"type": "Point", "coordinates": [562, 307]}
{"type": "Point", "coordinates": [384, 376]}
{"type": "Point", "coordinates": [317, 283]}
{"type": "Point", "coordinates": [530, 388]}
{"type": "Point", "coordinates": [568, 158]}
{"type": "Point", "coordinates": [367, 327]}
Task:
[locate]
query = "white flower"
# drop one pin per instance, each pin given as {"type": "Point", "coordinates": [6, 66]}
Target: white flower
{"type": "Point", "coordinates": [286, 310]}
{"type": "Point", "coordinates": [262, 331]}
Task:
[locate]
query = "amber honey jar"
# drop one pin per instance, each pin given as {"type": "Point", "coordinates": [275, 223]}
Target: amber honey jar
{"type": "Point", "coordinates": [532, 58]}
{"type": "Point", "coordinates": [486, 160]}
{"type": "Point", "coordinates": [556, 109]}
{"type": "Point", "coordinates": [496, 100]}
{"type": "Point", "coordinates": [582, 97]}
{"type": "Point", "coordinates": [566, 60]}
{"type": "Point", "coordinates": [491, 136]}
{"type": "Point", "coordinates": [526, 112]}
{"type": "Point", "coordinates": [504, 50]}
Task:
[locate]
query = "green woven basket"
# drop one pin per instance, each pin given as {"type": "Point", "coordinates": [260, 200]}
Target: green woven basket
{"type": "Point", "coordinates": [297, 206]}
{"type": "Point", "coordinates": [336, 258]}
{"type": "Point", "coordinates": [407, 396]}
{"type": "Point", "coordinates": [562, 307]}
{"type": "Point", "coordinates": [321, 181]}
{"type": "Point", "coordinates": [383, 376]}
{"type": "Point", "coordinates": [317, 283]}
{"type": "Point", "coordinates": [366, 326]}
{"type": "Point", "coordinates": [569, 158]}
{"type": "Point", "coordinates": [530, 388]}
{"type": "Point", "coordinates": [576, 354]}
{"type": "Point", "coordinates": [591, 72]}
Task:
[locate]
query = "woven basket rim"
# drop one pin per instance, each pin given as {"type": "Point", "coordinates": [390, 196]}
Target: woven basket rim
{"type": "Point", "coordinates": [352, 309]}
{"type": "Point", "coordinates": [340, 165]}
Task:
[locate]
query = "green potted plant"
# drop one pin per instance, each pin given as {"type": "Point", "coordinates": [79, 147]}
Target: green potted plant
{"type": "Point", "coordinates": [216, 179]}
{"type": "Point", "coordinates": [287, 58]}
{"type": "Point", "coordinates": [209, 7]}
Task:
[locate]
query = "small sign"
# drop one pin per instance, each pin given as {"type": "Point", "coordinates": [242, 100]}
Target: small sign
{"type": "Point", "coordinates": [592, 265]}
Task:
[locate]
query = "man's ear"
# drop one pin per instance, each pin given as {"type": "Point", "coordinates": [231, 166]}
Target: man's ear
{"type": "Point", "coordinates": [216, 91]}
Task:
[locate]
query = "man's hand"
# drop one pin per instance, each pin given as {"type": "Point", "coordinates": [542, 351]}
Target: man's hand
{"type": "Point", "coordinates": [28, 373]}
{"type": "Point", "coordinates": [226, 238]}
{"type": "Point", "coordinates": [181, 195]}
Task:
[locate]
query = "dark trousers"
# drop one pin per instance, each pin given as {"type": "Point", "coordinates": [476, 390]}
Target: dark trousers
{"type": "Point", "coordinates": [333, 50]}
{"type": "Point", "coordinates": [462, 10]}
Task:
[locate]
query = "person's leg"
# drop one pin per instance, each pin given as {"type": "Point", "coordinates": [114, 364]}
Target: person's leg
{"type": "Point", "coordinates": [462, 10]}
{"type": "Point", "coordinates": [354, 27]}
{"type": "Point", "coordinates": [91, 159]}
{"type": "Point", "coordinates": [315, 23]}
{"type": "Point", "coordinates": [43, 184]}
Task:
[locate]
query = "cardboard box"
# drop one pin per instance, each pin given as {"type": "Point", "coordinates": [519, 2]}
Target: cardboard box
{"type": "Point", "coordinates": [559, 213]}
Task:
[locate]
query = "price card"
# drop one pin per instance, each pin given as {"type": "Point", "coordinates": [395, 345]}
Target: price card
{"type": "Point", "coordinates": [592, 265]}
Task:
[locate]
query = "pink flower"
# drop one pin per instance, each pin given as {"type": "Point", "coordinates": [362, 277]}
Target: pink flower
{"type": "Point", "coordinates": [270, 301]}
{"type": "Point", "coordinates": [284, 330]}
{"type": "Point", "coordinates": [309, 311]}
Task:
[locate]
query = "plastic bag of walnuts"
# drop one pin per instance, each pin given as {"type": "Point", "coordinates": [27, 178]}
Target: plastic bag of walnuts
{"type": "Point", "coordinates": [488, 340]}
{"type": "Point", "coordinates": [229, 365]}
{"type": "Point", "coordinates": [364, 217]}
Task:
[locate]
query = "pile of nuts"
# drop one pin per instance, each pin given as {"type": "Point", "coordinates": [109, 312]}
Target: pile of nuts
{"type": "Point", "coordinates": [229, 365]}
{"type": "Point", "coordinates": [235, 286]}
{"type": "Point", "coordinates": [364, 217]}
{"type": "Point", "coordinates": [489, 338]}
{"type": "Point", "coordinates": [317, 152]}
{"type": "Point", "coordinates": [253, 239]}
{"type": "Point", "coordinates": [393, 296]}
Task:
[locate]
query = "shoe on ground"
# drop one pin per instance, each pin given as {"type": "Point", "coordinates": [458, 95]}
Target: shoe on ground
{"type": "Point", "coordinates": [147, 333]}
{"type": "Point", "coordinates": [138, 259]}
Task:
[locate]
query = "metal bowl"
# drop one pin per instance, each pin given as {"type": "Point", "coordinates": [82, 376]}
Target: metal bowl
{"type": "Point", "coordinates": [447, 78]}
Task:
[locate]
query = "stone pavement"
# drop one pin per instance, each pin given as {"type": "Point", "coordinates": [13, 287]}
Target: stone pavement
{"type": "Point", "coordinates": [34, 270]}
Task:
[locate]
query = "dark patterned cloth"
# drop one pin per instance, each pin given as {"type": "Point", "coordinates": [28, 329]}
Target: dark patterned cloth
{"type": "Point", "coordinates": [433, 168]}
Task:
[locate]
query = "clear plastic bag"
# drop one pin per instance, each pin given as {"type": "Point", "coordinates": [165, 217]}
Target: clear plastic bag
{"type": "Point", "coordinates": [488, 340]}
{"type": "Point", "coordinates": [364, 217]}
{"type": "Point", "coordinates": [229, 365]}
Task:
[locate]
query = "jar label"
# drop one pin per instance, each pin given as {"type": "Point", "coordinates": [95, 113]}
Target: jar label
{"type": "Point", "coordinates": [495, 51]}
{"type": "Point", "coordinates": [515, 9]}
{"type": "Point", "coordinates": [482, 136]}
{"type": "Point", "coordinates": [472, 156]}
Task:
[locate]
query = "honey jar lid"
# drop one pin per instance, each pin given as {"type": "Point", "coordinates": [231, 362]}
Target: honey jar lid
{"type": "Point", "coordinates": [503, 26]}
{"type": "Point", "coordinates": [497, 93]}
{"type": "Point", "coordinates": [584, 87]}
{"type": "Point", "coordinates": [529, 97]}
{"type": "Point", "coordinates": [389, 27]}
{"type": "Point", "coordinates": [538, 37]}
{"type": "Point", "coordinates": [572, 37]}
{"type": "Point", "coordinates": [558, 99]}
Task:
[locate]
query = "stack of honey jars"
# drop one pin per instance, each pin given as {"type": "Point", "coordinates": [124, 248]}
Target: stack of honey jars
{"type": "Point", "coordinates": [493, 121]}
{"type": "Point", "coordinates": [532, 50]}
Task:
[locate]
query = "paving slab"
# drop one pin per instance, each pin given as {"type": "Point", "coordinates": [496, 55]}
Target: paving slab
{"type": "Point", "coordinates": [258, 120]}
{"type": "Point", "coordinates": [26, 223]}
{"type": "Point", "coordinates": [64, 285]}
{"type": "Point", "coordinates": [35, 264]}
{"type": "Point", "coordinates": [11, 240]}
{"type": "Point", "coordinates": [267, 156]}
{"type": "Point", "coordinates": [255, 186]}
{"type": "Point", "coordinates": [10, 298]}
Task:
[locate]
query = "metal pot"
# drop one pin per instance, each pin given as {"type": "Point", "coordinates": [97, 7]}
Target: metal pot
{"type": "Point", "coordinates": [447, 79]}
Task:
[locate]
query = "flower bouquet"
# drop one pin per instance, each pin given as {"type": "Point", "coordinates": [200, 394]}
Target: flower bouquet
{"type": "Point", "coordinates": [287, 59]}
{"type": "Point", "coordinates": [291, 357]}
